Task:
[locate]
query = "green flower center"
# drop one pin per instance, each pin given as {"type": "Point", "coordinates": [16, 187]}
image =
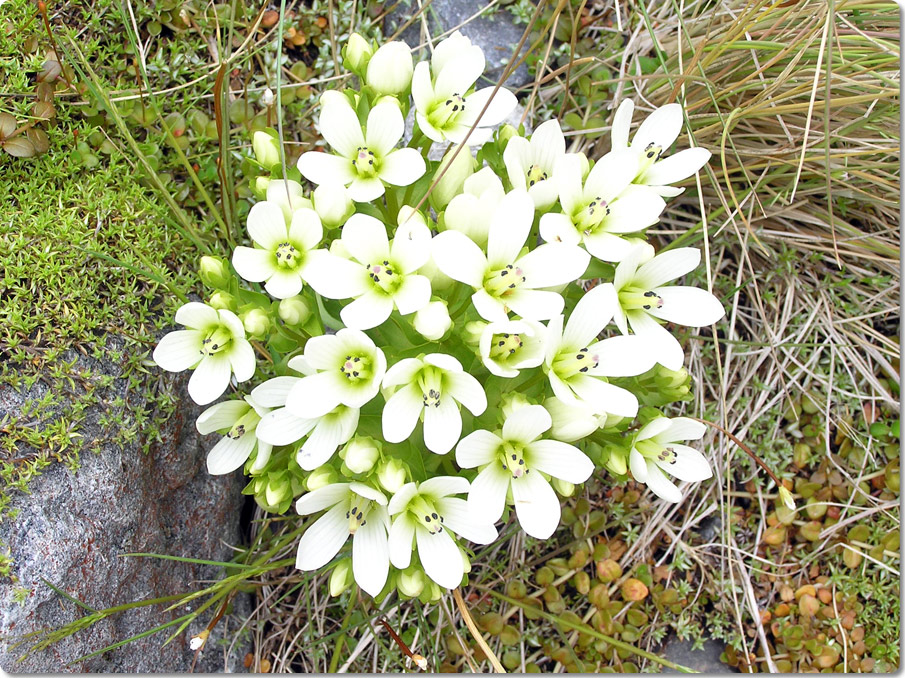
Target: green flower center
{"type": "Point", "coordinates": [634, 298]}
{"type": "Point", "coordinates": [652, 153]}
{"type": "Point", "coordinates": [569, 364]}
{"type": "Point", "coordinates": [653, 450]}
{"type": "Point", "coordinates": [357, 515]}
{"type": "Point", "coordinates": [502, 346]}
{"type": "Point", "coordinates": [357, 368]}
{"type": "Point", "coordinates": [591, 215]}
{"type": "Point", "coordinates": [216, 340]}
{"type": "Point", "coordinates": [445, 113]}
{"type": "Point", "coordinates": [365, 162]}
{"type": "Point", "coordinates": [431, 383]}
{"type": "Point", "coordinates": [503, 281]}
{"type": "Point", "coordinates": [385, 275]}
{"type": "Point", "coordinates": [535, 174]}
{"type": "Point", "coordinates": [287, 256]}
{"type": "Point", "coordinates": [512, 459]}
{"type": "Point", "coordinates": [426, 513]}
{"type": "Point", "coordinates": [247, 423]}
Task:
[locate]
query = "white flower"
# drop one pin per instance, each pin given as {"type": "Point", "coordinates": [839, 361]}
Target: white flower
{"type": "Point", "coordinates": [577, 363]}
{"type": "Point", "coordinates": [237, 419]}
{"type": "Point", "coordinates": [452, 173]}
{"type": "Point", "coordinates": [356, 509]}
{"type": "Point", "coordinates": [572, 420]}
{"type": "Point", "coordinates": [513, 345]}
{"type": "Point", "coordinates": [283, 426]}
{"type": "Point", "coordinates": [471, 211]}
{"type": "Point", "coordinates": [504, 279]}
{"type": "Point", "coordinates": [367, 159]}
{"type": "Point", "coordinates": [644, 299]}
{"type": "Point", "coordinates": [288, 195]}
{"type": "Point", "coordinates": [284, 254]}
{"type": "Point", "coordinates": [655, 450]}
{"type": "Point", "coordinates": [655, 135]}
{"type": "Point", "coordinates": [333, 204]}
{"type": "Point", "coordinates": [531, 164]}
{"type": "Point", "coordinates": [390, 69]}
{"type": "Point", "coordinates": [507, 462]}
{"type": "Point", "coordinates": [379, 275]}
{"type": "Point", "coordinates": [444, 110]}
{"type": "Point", "coordinates": [214, 346]}
{"type": "Point", "coordinates": [432, 321]}
{"type": "Point", "coordinates": [421, 514]}
{"type": "Point", "coordinates": [599, 211]}
{"type": "Point", "coordinates": [431, 387]}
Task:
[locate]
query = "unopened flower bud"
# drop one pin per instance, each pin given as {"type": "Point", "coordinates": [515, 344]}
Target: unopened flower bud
{"type": "Point", "coordinates": [410, 582]}
{"type": "Point", "coordinates": [390, 69]}
{"type": "Point", "coordinates": [786, 498]}
{"type": "Point", "coordinates": [278, 489]}
{"type": "Point", "coordinates": [341, 578]}
{"type": "Point", "coordinates": [473, 332]}
{"type": "Point", "coordinates": [451, 183]}
{"type": "Point", "coordinates": [222, 301]}
{"type": "Point", "coordinates": [616, 461]}
{"type": "Point", "coordinates": [288, 195]}
{"type": "Point", "coordinates": [563, 487]}
{"type": "Point", "coordinates": [267, 97]}
{"type": "Point", "coordinates": [571, 421]}
{"type": "Point", "coordinates": [360, 454]}
{"type": "Point", "coordinates": [432, 321]}
{"type": "Point", "coordinates": [214, 272]}
{"type": "Point", "coordinates": [391, 475]}
{"type": "Point", "coordinates": [259, 187]}
{"type": "Point", "coordinates": [319, 477]}
{"type": "Point", "coordinates": [356, 54]}
{"type": "Point", "coordinates": [511, 402]}
{"type": "Point", "coordinates": [505, 133]}
{"type": "Point", "coordinates": [294, 311]}
{"type": "Point", "coordinates": [333, 204]}
{"type": "Point", "coordinates": [266, 146]}
{"type": "Point", "coordinates": [256, 323]}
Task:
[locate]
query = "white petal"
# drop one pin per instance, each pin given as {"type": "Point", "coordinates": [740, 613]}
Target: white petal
{"type": "Point", "coordinates": [179, 350]}
{"type": "Point", "coordinates": [487, 496]}
{"type": "Point", "coordinates": [468, 391]}
{"type": "Point", "coordinates": [371, 556]}
{"type": "Point", "coordinates": [676, 167]}
{"type": "Point", "coordinates": [325, 352]}
{"type": "Point", "coordinates": [612, 173]}
{"type": "Point", "coordinates": [690, 306]}
{"type": "Point", "coordinates": [458, 74]}
{"type": "Point", "coordinates": [402, 372]}
{"type": "Point", "coordinates": [592, 313]}
{"type": "Point", "coordinates": [266, 225]}
{"type": "Point", "coordinates": [411, 246]}
{"type": "Point", "coordinates": [400, 414]}
{"type": "Point", "coordinates": [402, 532]}
{"type": "Point", "coordinates": [321, 498]}
{"type": "Point", "coordinates": [544, 194]}
{"type": "Point", "coordinates": [229, 454]}
{"type": "Point", "coordinates": [628, 267]}
{"type": "Point", "coordinates": [400, 500]}
{"type": "Point", "coordinates": [459, 257]}
{"type": "Point", "coordinates": [458, 517]}
{"type": "Point", "coordinates": [527, 424]}
{"type": "Point", "coordinates": [366, 190]}
{"type": "Point", "coordinates": [604, 397]}
{"type": "Point", "coordinates": [559, 460]}
{"type": "Point", "coordinates": [316, 395]}
{"type": "Point", "coordinates": [553, 338]}
{"type": "Point", "coordinates": [440, 557]}
{"type": "Point", "coordinates": [385, 128]}
{"type": "Point", "coordinates": [442, 426]}
{"type": "Point", "coordinates": [654, 428]}
{"type": "Point", "coordinates": [661, 127]}
{"type": "Point", "coordinates": [568, 177]}
{"type": "Point", "coordinates": [324, 168]}
{"type": "Point", "coordinates": [210, 379]}
{"type": "Point", "coordinates": [241, 359]}
{"type": "Point", "coordinates": [516, 157]}
{"type": "Point", "coordinates": [690, 465]}
{"type": "Point", "coordinates": [196, 316]}
{"type": "Point", "coordinates": [429, 130]}
{"type": "Point", "coordinates": [536, 505]}
{"type": "Point", "coordinates": [323, 539]}
{"type": "Point", "coordinates": [273, 392]}
{"type": "Point", "coordinates": [477, 448]}
{"type": "Point", "coordinates": [664, 345]}
{"type": "Point", "coordinates": [661, 485]}
{"type": "Point", "coordinates": [306, 229]}
{"type": "Point", "coordinates": [607, 246]}
{"type": "Point", "coordinates": [667, 266]}
{"type": "Point", "coordinates": [252, 264]}
{"type": "Point", "coordinates": [283, 284]}
{"type": "Point", "coordinates": [340, 127]}
{"type": "Point", "coordinates": [368, 492]}
{"type": "Point", "coordinates": [548, 144]}
{"type": "Point", "coordinates": [422, 89]}
{"type": "Point", "coordinates": [533, 304]}
{"type": "Point", "coordinates": [369, 310]}
{"type": "Point", "coordinates": [684, 428]}
{"type": "Point", "coordinates": [262, 457]}
{"type": "Point", "coordinates": [231, 322]}
{"type": "Point", "coordinates": [621, 123]}
{"type": "Point", "coordinates": [624, 356]}
{"type": "Point", "coordinates": [553, 264]}
{"type": "Point", "coordinates": [636, 208]}
{"type": "Point", "coordinates": [282, 427]}
{"type": "Point", "coordinates": [445, 362]}
{"type": "Point", "coordinates": [300, 365]}
{"type": "Point", "coordinates": [402, 167]}
{"type": "Point", "coordinates": [321, 444]}
{"type": "Point", "coordinates": [443, 486]}
{"type": "Point", "coordinates": [222, 416]}
{"type": "Point", "coordinates": [638, 466]}
{"type": "Point", "coordinates": [509, 228]}
{"type": "Point", "coordinates": [337, 278]}
{"type": "Point", "coordinates": [501, 105]}
{"type": "Point", "coordinates": [413, 295]}
{"type": "Point", "coordinates": [493, 310]}
{"type": "Point", "coordinates": [366, 239]}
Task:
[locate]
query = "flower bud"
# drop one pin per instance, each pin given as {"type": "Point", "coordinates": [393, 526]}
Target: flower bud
{"type": "Point", "coordinates": [267, 97]}
{"type": "Point", "coordinates": [341, 578]}
{"type": "Point", "coordinates": [259, 187]}
{"type": "Point", "coordinates": [222, 301]}
{"type": "Point", "coordinates": [571, 422]}
{"type": "Point", "coordinates": [356, 54]}
{"type": "Point", "coordinates": [473, 332]}
{"type": "Point", "coordinates": [288, 195]}
{"type": "Point", "coordinates": [511, 402]}
{"type": "Point", "coordinates": [360, 454]}
{"type": "Point", "coordinates": [391, 475]}
{"type": "Point", "coordinates": [278, 489]}
{"type": "Point", "coordinates": [616, 460]}
{"type": "Point", "coordinates": [214, 272]}
{"type": "Point", "coordinates": [390, 69]}
{"type": "Point", "coordinates": [256, 322]}
{"type": "Point", "coordinates": [294, 311]}
{"type": "Point", "coordinates": [266, 146]}
{"type": "Point", "coordinates": [451, 183]}
{"type": "Point", "coordinates": [410, 582]}
{"type": "Point", "coordinates": [333, 204]}
{"type": "Point", "coordinates": [432, 321]}
{"type": "Point", "coordinates": [563, 487]}
{"type": "Point", "coordinates": [505, 133]}
{"type": "Point", "coordinates": [786, 498]}
{"type": "Point", "coordinates": [319, 477]}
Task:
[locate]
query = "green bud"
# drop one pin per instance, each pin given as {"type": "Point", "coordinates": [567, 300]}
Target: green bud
{"type": "Point", "coordinates": [256, 322]}
{"type": "Point", "coordinates": [223, 301]}
{"type": "Point", "coordinates": [320, 477]}
{"type": "Point", "coordinates": [505, 133]}
{"type": "Point", "coordinates": [617, 459]}
{"type": "Point", "coordinates": [214, 272]}
{"type": "Point", "coordinates": [360, 454]}
{"type": "Point", "coordinates": [259, 187]}
{"type": "Point", "coordinates": [391, 475]}
{"type": "Point", "coordinates": [563, 487]}
{"type": "Point", "coordinates": [266, 145]}
{"type": "Point", "coordinates": [356, 54]}
{"type": "Point", "coordinates": [390, 68]}
{"type": "Point", "coordinates": [341, 578]}
{"type": "Point", "coordinates": [294, 311]}
{"type": "Point", "coordinates": [410, 582]}
{"type": "Point", "coordinates": [473, 332]}
{"type": "Point", "coordinates": [513, 401]}
{"type": "Point", "coordinates": [433, 321]}
{"type": "Point", "coordinates": [453, 180]}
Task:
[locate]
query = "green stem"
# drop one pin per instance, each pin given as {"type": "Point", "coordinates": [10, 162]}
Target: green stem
{"type": "Point", "coordinates": [341, 640]}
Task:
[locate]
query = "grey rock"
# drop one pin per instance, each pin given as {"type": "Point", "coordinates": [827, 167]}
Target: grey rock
{"type": "Point", "coordinates": [73, 527]}
{"type": "Point", "coordinates": [496, 34]}
{"type": "Point", "coordinates": [705, 660]}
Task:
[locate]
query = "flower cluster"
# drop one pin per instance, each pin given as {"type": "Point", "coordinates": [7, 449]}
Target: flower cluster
{"type": "Point", "coordinates": [445, 345]}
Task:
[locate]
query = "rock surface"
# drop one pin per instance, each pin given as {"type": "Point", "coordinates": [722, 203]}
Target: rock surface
{"type": "Point", "coordinates": [496, 34]}
{"type": "Point", "coordinates": [73, 528]}
{"type": "Point", "coordinates": [705, 660]}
